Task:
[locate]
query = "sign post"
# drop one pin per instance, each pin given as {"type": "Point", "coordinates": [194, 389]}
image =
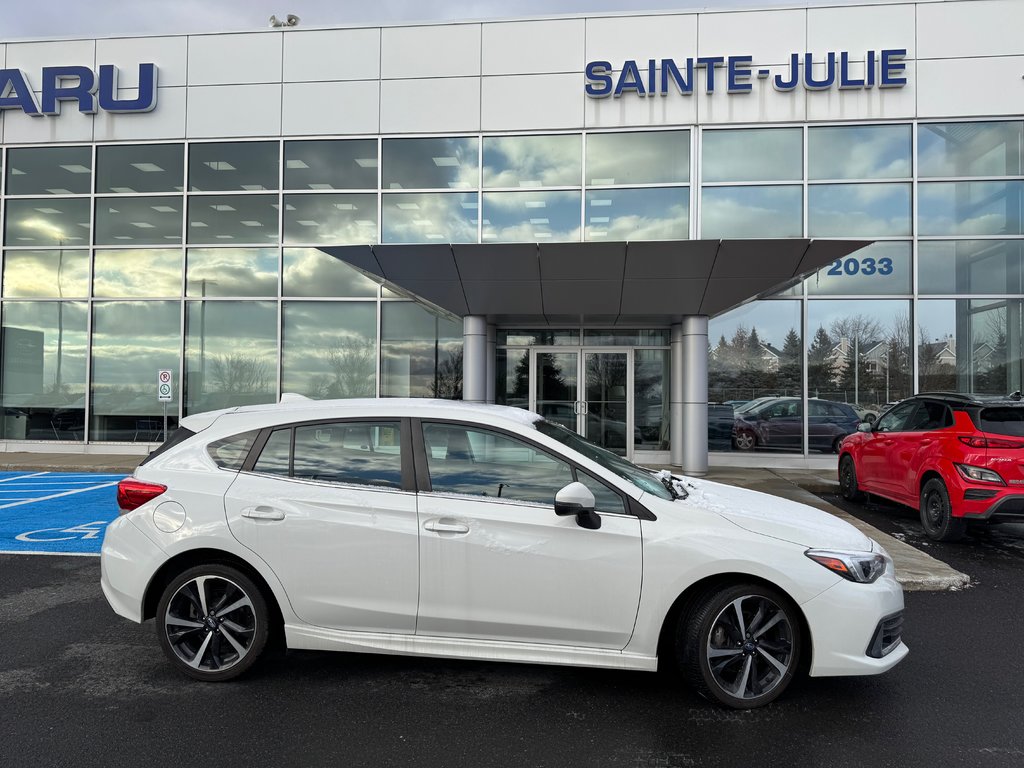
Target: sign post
{"type": "Point", "coordinates": [164, 390]}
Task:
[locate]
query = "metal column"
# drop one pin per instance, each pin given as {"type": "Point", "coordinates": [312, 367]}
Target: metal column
{"type": "Point", "coordinates": [492, 354]}
{"type": "Point", "coordinates": [474, 359]}
{"type": "Point", "coordinates": [690, 395]}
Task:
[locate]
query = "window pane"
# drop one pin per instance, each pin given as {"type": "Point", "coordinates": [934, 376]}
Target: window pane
{"type": "Point", "coordinates": [363, 453]}
{"type": "Point", "coordinates": [644, 157]}
{"type": "Point", "coordinates": [131, 342]}
{"type": "Point", "coordinates": [970, 345]}
{"type": "Point", "coordinates": [512, 387]}
{"type": "Point", "coordinates": [970, 149]}
{"type": "Point", "coordinates": [756, 352]}
{"type": "Point", "coordinates": [330, 349]}
{"type": "Point", "coordinates": [859, 152]}
{"type": "Point", "coordinates": [638, 214]}
{"type": "Point", "coordinates": [43, 378]}
{"type": "Point", "coordinates": [450, 163]}
{"type": "Point", "coordinates": [47, 222]}
{"type": "Point", "coordinates": [531, 216]}
{"type": "Point", "coordinates": [232, 272]}
{"type": "Point", "coordinates": [49, 171]}
{"type": "Point", "coordinates": [880, 268]}
{"type": "Point", "coordinates": [877, 335]}
{"type": "Point", "coordinates": [532, 161]}
{"type": "Point", "coordinates": [330, 219]}
{"type": "Point", "coordinates": [137, 272]}
{"type": "Point", "coordinates": [651, 381]}
{"type": "Point", "coordinates": [249, 165]}
{"type": "Point", "coordinates": [618, 338]}
{"type": "Point", "coordinates": [140, 168]}
{"type": "Point", "coordinates": [539, 338]}
{"type": "Point", "coordinates": [752, 212]}
{"type": "Point", "coordinates": [243, 219]}
{"type": "Point", "coordinates": [127, 220]}
{"type": "Point", "coordinates": [276, 454]}
{"type": "Point", "coordinates": [348, 164]}
{"type": "Point", "coordinates": [230, 354]}
{"type": "Point", "coordinates": [231, 452]}
{"type": "Point", "coordinates": [970, 266]}
{"type": "Point", "coordinates": [606, 500]}
{"type": "Point", "coordinates": [421, 353]}
{"type": "Point", "coordinates": [970, 208]}
{"type": "Point", "coordinates": [753, 154]}
{"type": "Point", "coordinates": [313, 272]}
{"type": "Point", "coordinates": [429, 218]}
{"type": "Point", "coordinates": [859, 210]}
{"type": "Point", "coordinates": [59, 273]}
{"type": "Point", "coordinates": [478, 463]}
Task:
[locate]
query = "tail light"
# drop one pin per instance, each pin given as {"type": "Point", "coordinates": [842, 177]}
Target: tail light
{"type": "Point", "coordinates": [132, 493]}
{"type": "Point", "coordinates": [977, 441]}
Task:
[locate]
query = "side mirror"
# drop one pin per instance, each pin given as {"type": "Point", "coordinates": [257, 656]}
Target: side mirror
{"type": "Point", "coordinates": [576, 499]}
{"type": "Point", "coordinates": [865, 426]}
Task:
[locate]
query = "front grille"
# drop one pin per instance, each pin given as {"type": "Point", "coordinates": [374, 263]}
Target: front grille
{"type": "Point", "coordinates": [887, 636]}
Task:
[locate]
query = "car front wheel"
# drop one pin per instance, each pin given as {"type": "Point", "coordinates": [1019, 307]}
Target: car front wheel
{"type": "Point", "coordinates": [740, 646]}
{"type": "Point", "coordinates": [745, 440]}
{"type": "Point", "coordinates": [212, 622]}
{"type": "Point", "coordinates": [848, 486]}
{"type": "Point", "coordinates": [937, 513]}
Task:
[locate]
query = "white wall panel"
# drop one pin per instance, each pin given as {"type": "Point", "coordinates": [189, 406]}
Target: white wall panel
{"type": "Point", "coordinates": [430, 106]}
{"type": "Point", "coordinates": [170, 54]}
{"type": "Point", "coordinates": [633, 110]}
{"type": "Point", "coordinates": [342, 54]}
{"type": "Point", "coordinates": [526, 47]}
{"type": "Point", "coordinates": [762, 105]}
{"type": "Point", "coordinates": [866, 104]}
{"type": "Point", "coordinates": [235, 59]}
{"type": "Point", "coordinates": [72, 125]}
{"type": "Point", "coordinates": [859, 29]}
{"type": "Point", "coordinates": [532, 102]}
{"type": "Point", "coordinates": [970, 87]}
{"type": "Point", "coordinates": [641, 37]}
{"type": "Point", "coordinates": [769, 36]}
{"type": "Point", "coordinates": [32, 57]}
{"type": "Point", "coordinates": [451, 50]}
{"type": "Point", "coordinates": [331, 108]}
{"type": "Point", "coordinates": [167, 121]}
{"type": "Point", "coordinates": [975, 28]}
{"type": "Point", "coordinates": [234, 110]}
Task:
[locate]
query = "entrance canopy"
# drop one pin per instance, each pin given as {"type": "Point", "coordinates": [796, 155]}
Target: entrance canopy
{"type": "Point", "coordinates": [608, 283]}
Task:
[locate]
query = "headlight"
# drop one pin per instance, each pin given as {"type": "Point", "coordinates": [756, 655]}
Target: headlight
{"type": "Point", "coordinates": [862, 567]}
{"type": "Point", "coordinates": [978, 474]}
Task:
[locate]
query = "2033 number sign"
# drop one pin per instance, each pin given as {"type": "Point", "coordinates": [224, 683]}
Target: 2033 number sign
{"type": "Point", "coordinates": [865, 266]}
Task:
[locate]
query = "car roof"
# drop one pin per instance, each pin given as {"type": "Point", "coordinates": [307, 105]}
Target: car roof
{"type": "Point", "coordinates": [963, 398]}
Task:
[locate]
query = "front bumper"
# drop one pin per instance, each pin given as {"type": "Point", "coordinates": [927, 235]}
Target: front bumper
{"type": "Point", "coordinates": [844, 621]}
{"type": "Point", "coordinates": [127, 564]}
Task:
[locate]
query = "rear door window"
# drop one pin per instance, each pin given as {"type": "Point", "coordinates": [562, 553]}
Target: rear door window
{"type": "Point", "coordinates": [896, 419]}
{"type": "Point", "coordinates": [363, 453]}
{"type": "Point", "coordinates": [1003, 421]}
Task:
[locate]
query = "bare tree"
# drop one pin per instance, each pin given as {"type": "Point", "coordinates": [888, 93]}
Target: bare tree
{"type": "Point", "coordinates": [238, 374]}
{"type": "Point", "coordinates": [353, 365]}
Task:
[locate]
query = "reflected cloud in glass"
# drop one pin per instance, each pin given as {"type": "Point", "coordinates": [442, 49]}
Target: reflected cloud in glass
{"type": "Point", "coordinates": [859, 152]}
{"type": "Point", "coordinates": [57, 273]}
{"type": "Point", "coordinates": [532, 161]}
{"type": "Point", "coordinates": [429, 218]}
{"type": "Point", "coordinates": [531, 217]}
{"type": "Point", "coordinates": [970, 208]}
{"type": "Point", "coordinates": [753, 154]}
{"type": "Point", "coordinates": [752, 212]}
{"type": "Point", "coordinates": [312, 272]}
{"type": "Point", "coordinates": [330, 219]}
{"type": "Point", "coordinates": [231, 272]}
{"type": "Point", "coordinates": [137, 272]}
{"type": "Point", "coordinates": [330, 349]}
{"type": "Point", "coordinates": [859, 210]}
{"type": "Point", "coordinates": [641, 157]}
{"type": "Point", "coordinates": [442, 163]}
{"type": "Point", "coordinates": [638, 214]}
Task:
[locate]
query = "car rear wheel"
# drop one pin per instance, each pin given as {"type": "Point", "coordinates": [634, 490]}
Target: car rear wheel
{"type": "Point", "coordinates": [212, 622]}
{"type": "Point", "coordinates": [848, 486]}
{"type": "Point", "coordinates": [937, 513]}
{"type": "Point", "coordinates": [740, 646]}
{"type": "Point", "coordinates": [745, 440]}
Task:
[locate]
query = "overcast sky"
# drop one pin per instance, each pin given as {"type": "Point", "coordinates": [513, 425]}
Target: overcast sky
{"type": "Point", "coordinates": [103, 18]}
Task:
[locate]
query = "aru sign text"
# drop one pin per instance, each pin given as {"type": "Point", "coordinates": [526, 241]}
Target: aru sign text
{"type": "Point", "coordinates": [735, 74]}
{"type": "Point", "coordinates": [91, 91]}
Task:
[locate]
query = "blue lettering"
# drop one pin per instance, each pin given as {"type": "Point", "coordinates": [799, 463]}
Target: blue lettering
{"type": "Point", "coordinates": [845, 81]}
{"type": "Point", "coordinates": [144, 102]}
{"type": "Point", "coordinates": [669, 71]}
{"type": "Point", "coordinates": [813, 84]}
{"type": "Point", "coordinates": [709, 63]}
{"type": "Point", "coordinates": [629, 79]}
{"type": "Point", "coordinates": [892, 66]}
{"type": "Point", "coordinates": [869, 70]}
{"type": "Point", "coordinates": [652, 77]}
{"type": "Point", "coordinates": [15, 92]}
{"type": "Point", "coordinates": [737, 72]}
{"type": "Point", "coordinates": [55, 89]}
{"type": "Point", "coordinates": [599, 83]}
{"type": "Point", "coordinates": [794, 75]}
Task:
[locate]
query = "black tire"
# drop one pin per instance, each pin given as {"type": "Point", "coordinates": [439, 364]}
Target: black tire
{"type": "Point", "coordinates": [745, 440]}
{"type": "Point", "coordinates": [937, 513]}
{"type": "Point", "coordinates": [722, 655]}
{"type": "Point", "coordinates": [848, 486]}
{"type": "Point", "coordinates": [837, 444]}
{"type": "Point", "coordinates": [212, 622]}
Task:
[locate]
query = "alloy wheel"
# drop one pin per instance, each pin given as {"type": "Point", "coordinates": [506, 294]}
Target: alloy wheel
{"type": "Point", "coordinates": [210, 623]}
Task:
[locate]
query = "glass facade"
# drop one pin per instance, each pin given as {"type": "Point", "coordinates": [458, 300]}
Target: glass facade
{"type": "Point", "coordinates": [214, 259]}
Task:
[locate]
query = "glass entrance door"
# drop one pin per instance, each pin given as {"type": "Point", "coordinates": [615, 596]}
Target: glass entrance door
{"type": "Point", "coordinates": [588, 391]}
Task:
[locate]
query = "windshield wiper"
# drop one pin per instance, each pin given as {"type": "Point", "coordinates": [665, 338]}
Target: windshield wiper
{"type": "Point", "coordinates": [673, 486]}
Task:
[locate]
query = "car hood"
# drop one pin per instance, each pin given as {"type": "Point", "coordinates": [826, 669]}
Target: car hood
{"type": "Point", "coordinates": [771, 516]}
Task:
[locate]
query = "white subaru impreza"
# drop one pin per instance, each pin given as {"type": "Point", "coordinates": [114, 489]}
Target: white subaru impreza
{"type": "Point", "coordinates": [439, 528]}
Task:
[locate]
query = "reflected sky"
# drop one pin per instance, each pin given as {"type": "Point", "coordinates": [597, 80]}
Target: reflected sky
{"type": "Point", "coordinates": [773, 320]}
{"type": "Point", "coordinates": [239, 218]}
{"type": "Point", "coordinates": [971, 266]}
{"type": "Point", "coordinates": [312, 272]}
{"type": "Point", "coordinates": [859, 152]}
{"type": "Point", "coordinates": [47, 221]}
{"type": "Point", "coordinates": [859, 210]}
{"type": "Point", "coordinates": [330, 349]}
{"type": "Point", "coordinates": [30, 365]}
{"type": "Point", "coordinates": [46, 273]}
{"type": "Point", "coordinates": [970, 149]}
{"type": "Point", "coordinates": [348, 164]}
{"type": "Point", "coordinates": [867, 270]}
{"type": "Point", "coordinates": [137, 272]}
{"type": "Point", "coordinates": [443, 163]}
{"type": "Point", "coordinates": [532, 161]}
{"type": "Point", "coordinates": [752, 212]}
{"type": "Point", "coordinates": [330, 219]}
{"type": "Point", "coordinates": [970, 208]}
{"type": "Point", "coordinates": [638, 214]}
{"type": "Point", "coordinates": [649, 157]}
{"type": "Point", "coordinates": [429, 218]}
{"type": "Point", "coordinates": [531, 216]}
{"type": "Point", "coordinates": [149, 220]}
{"type": "Point", "coordinates": [232, 272]}
{"type": "Point", "coordinates": [753, 154]}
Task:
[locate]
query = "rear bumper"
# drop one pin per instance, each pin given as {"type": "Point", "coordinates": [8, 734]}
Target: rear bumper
{"type": "Point", "coordinates": [127, 563]}
{"type": "Point", "coordinates": [1006, 508]}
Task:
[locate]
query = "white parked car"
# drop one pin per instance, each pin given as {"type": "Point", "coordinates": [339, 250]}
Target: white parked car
{"type": "Point", "coordinates": [439, 528]}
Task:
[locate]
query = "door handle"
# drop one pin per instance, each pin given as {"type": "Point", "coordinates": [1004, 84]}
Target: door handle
{"type": "Point", "coordinates": [445, 525]}
{"type": "Point", "coordinates": [263, 513]}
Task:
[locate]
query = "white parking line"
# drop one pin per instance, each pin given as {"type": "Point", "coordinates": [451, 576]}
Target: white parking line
{"type": "Point", "coordinates": [40, 552]}
{"type": "Point", "coordinates": [22, 477]}
{"type": "Point", "coordinates": [56, 495]}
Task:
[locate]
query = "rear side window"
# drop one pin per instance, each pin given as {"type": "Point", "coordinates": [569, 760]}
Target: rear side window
{"type": "Point", "coordinates": [230, 452]}
{"type": "Point", "coordinates": [1003, 421]}
{"type": "Point", "coordinates": [179, 435]}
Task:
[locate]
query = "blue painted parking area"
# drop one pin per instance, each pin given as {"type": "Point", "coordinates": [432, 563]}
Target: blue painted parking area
{"type": "Point", "coordinates": [56, 512]}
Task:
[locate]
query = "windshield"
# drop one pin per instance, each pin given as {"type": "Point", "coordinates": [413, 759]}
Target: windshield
{"type": "Point", "coordinates": [638, 476]}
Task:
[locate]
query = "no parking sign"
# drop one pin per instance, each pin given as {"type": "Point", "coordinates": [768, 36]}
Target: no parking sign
{"type": "Point", "coordinates": [164, 386]}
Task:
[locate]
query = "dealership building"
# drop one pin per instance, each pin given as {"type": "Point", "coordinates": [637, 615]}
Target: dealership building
{"type": "Point", "coordinates": [613, 220]}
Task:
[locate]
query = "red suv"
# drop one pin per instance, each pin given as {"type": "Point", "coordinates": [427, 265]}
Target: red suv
{"type": "Point", "coordinates": [957, 458]}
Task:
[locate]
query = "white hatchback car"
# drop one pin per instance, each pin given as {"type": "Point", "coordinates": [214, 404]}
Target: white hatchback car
{"type": "Point", "coordinates": [440, 528]}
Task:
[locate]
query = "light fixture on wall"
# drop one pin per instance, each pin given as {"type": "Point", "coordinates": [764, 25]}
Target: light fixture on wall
{"type": "Point", "coordinates": [291, 20]}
